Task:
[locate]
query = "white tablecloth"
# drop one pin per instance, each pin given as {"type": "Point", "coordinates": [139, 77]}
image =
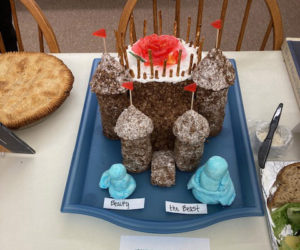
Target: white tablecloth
{"type": "Point", "coordinates": [32, 187]}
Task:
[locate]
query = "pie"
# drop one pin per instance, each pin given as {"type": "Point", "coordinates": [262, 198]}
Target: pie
{"type": "Point", "coordinates": [32, 85]}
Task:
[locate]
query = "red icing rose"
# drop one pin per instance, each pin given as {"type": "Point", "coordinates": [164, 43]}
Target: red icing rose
{"type": "Point", "coordinates": [163, 47]}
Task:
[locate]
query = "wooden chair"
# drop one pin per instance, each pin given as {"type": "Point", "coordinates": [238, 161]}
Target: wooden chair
{"type": "Point", "coordinates": [44, 28]}
{"type": "Point", "coordinates": [275, 22]}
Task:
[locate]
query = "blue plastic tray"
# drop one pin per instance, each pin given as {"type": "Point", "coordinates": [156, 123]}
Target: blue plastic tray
{"type": "Point", "coordinates": [94, 153]}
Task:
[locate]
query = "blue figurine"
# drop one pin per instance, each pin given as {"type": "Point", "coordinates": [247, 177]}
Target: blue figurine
{"type": "Point", "coordinates": [120, 184]}
{"type": "Point", "coordinates": [211, 184]}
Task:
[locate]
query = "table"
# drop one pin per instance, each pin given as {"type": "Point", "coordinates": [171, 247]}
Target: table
{"type": "Point", "coordinates": [32, 187]}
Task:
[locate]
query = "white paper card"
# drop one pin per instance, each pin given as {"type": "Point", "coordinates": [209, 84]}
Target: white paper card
{"type": "Point", "coordinates": [125, 204]}
{"type": "Point", "coordinates": [186, 208]}
{"type": "Point", "coordinates": [163, 243]}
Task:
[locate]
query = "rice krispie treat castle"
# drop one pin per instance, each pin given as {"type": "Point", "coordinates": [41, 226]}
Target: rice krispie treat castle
{"type": "Point", "coordinates": [160, 67]}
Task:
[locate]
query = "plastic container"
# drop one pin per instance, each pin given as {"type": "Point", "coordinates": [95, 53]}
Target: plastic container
{"type": "Point", "coordinates": [281, 140]}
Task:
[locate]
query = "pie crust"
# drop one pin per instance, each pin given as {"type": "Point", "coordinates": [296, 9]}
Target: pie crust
{"type": "Point", "coordinates": [32, 85]}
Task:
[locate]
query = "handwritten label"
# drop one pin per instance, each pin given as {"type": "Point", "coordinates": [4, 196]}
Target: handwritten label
{"type": "Point", "coordinates": [125, 204]}
{"type": "Point", "coordinates": [186, 208]}
{"type": "Point", "coordinates": [128, 242]}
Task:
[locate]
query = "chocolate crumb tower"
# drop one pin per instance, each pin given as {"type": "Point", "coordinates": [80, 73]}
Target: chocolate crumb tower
{"type": "Point", "coordinates": [191, 129]}
{"type": "Point", "coordinates": [163, 171]}
{"type": "Point", "coordinates": [112, 97]}
{"type": "Point", "coordinates": [134, 129]}
{"type": "Point", "coordinates": [213, 76]}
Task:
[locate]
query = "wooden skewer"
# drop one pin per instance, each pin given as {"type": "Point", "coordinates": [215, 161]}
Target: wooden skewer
{"type": "Point", "coordinates": [178, 63]}
{"type": "Point", "coordinates": [151, 62]}
{"type": "Point", "coordinates": [194, 66]}
{"type": "Point", "coordinates": [171, 73]}
{"type": "Point", "coordinates": [175, 29]}
{"type": "Point", "coordinates": [164, 68]}
{"type": "Point", "coordinates": [145, 75]}
{"type": "Point", "coordinates": [130, 97]}
{"type": "Point", "coordinates": [160, 22]}
{"type": "Point", "coordinates": [145, 28]}
{"type": "Point", "coordinates": [131, 73]}
{"type": "Point", "coordinates": [199, 17]}
{"type": "Point", "coordinates": [132, 26]}
{"type": "Point", "coordinates": [188, 29]}
{"type": "Point", "coordinates": [197, 38]}
{"type": "Point", "coordinates": [126, 58]}
{"type": "Point", "coordinates": [138, 68]}
{"type": "Point", "coordinates": [192, 102]}
{"type": "Point", "coordinates": [155, 28]}
{"type": "Point", "coordinates": [124, 52]}
{"type": "Point", "coordinates": [191, 63]}
{"type": "Point", "coordinates": [156, 74]}
{"type": "Point", "coordinates": [190, 44]}
{"type": "Point", "coordinates": [182, 73]}
{"type": "Point", "coordinates": [177, 17]}
{"type": "Point", "coordinates": [200, 50]}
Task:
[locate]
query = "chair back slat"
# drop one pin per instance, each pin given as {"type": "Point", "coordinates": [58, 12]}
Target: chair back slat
{"type": "Point", "coordinates": [16, 24]}
{"type": "Point", "coordinates": [222, 17]}
{"type": "Point", "coordinates": [41, 39]}
{"type": "Point", "coordinates": [267, 34]}
{"type": "Point", "coordinates": [2, 46]}
{"type": "Point", "coordinates": [155, 26]}
{"type": "Point", "coordinates": [43, 23]}
{"type": "Point", "coordinates": [177, 17]}
{"type": "Point", "coordinates": [244, 24]}
{"type": "Point", "coordinates": [276, 23]}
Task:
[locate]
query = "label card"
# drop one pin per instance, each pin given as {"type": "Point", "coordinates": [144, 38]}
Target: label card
{"type": "Point", "coordinates": [162, 243]}
{"type": "Point", "coordinates": [186, 208]}
{"type": "Point", "coordinates": [125, 204]}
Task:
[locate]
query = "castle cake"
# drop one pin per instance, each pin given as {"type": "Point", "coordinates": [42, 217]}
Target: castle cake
{"type": "Point", "coordinates": [160, 67]}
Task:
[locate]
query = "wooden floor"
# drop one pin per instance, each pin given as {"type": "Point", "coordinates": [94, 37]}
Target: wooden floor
{"type": "Point", "coordinates": [74, 21]}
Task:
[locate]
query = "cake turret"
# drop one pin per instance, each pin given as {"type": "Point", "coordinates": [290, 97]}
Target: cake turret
{"type": "Point", "coordinates": [134, 129]}
{"type": "Point", "coordinates": [213, 76]}
{"type": "Point", "coordinates": [112, 97]}
{"type": "Point", "coordinates": [191, 129]}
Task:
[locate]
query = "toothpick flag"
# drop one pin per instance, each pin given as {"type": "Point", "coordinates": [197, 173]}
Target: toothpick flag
{"type": "Point", "coordinates": [101, 33]}
{"type": "Point", "coordinates": [218, 25]}
{"type": "Point", "coordinates": [128, 85]}
{"type": "Point", "coordinates": [192, 88]}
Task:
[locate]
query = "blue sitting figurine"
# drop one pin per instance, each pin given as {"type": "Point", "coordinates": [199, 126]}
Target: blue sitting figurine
{"type": "Point", "coordinates": [120, 184]}
{"type": "Point", "coordinates": [211, 184]}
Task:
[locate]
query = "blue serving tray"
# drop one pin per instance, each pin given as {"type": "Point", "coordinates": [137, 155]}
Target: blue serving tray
{"type": "Point", "coordinates": [94, 153]}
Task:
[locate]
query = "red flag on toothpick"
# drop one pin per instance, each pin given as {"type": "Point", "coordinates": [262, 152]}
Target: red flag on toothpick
{"type": "Point", "coordinates": [101, 33]}
{"type": "Point", "coordinates": [217, 24]}
{"type": "Point", "coordinates": [128, 85]}
{"type": "Point", "coordinates": [192, 88]}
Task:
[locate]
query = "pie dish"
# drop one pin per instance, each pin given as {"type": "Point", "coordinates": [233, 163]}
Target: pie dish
{"type": "Point", "coordinates": [32, 85]}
